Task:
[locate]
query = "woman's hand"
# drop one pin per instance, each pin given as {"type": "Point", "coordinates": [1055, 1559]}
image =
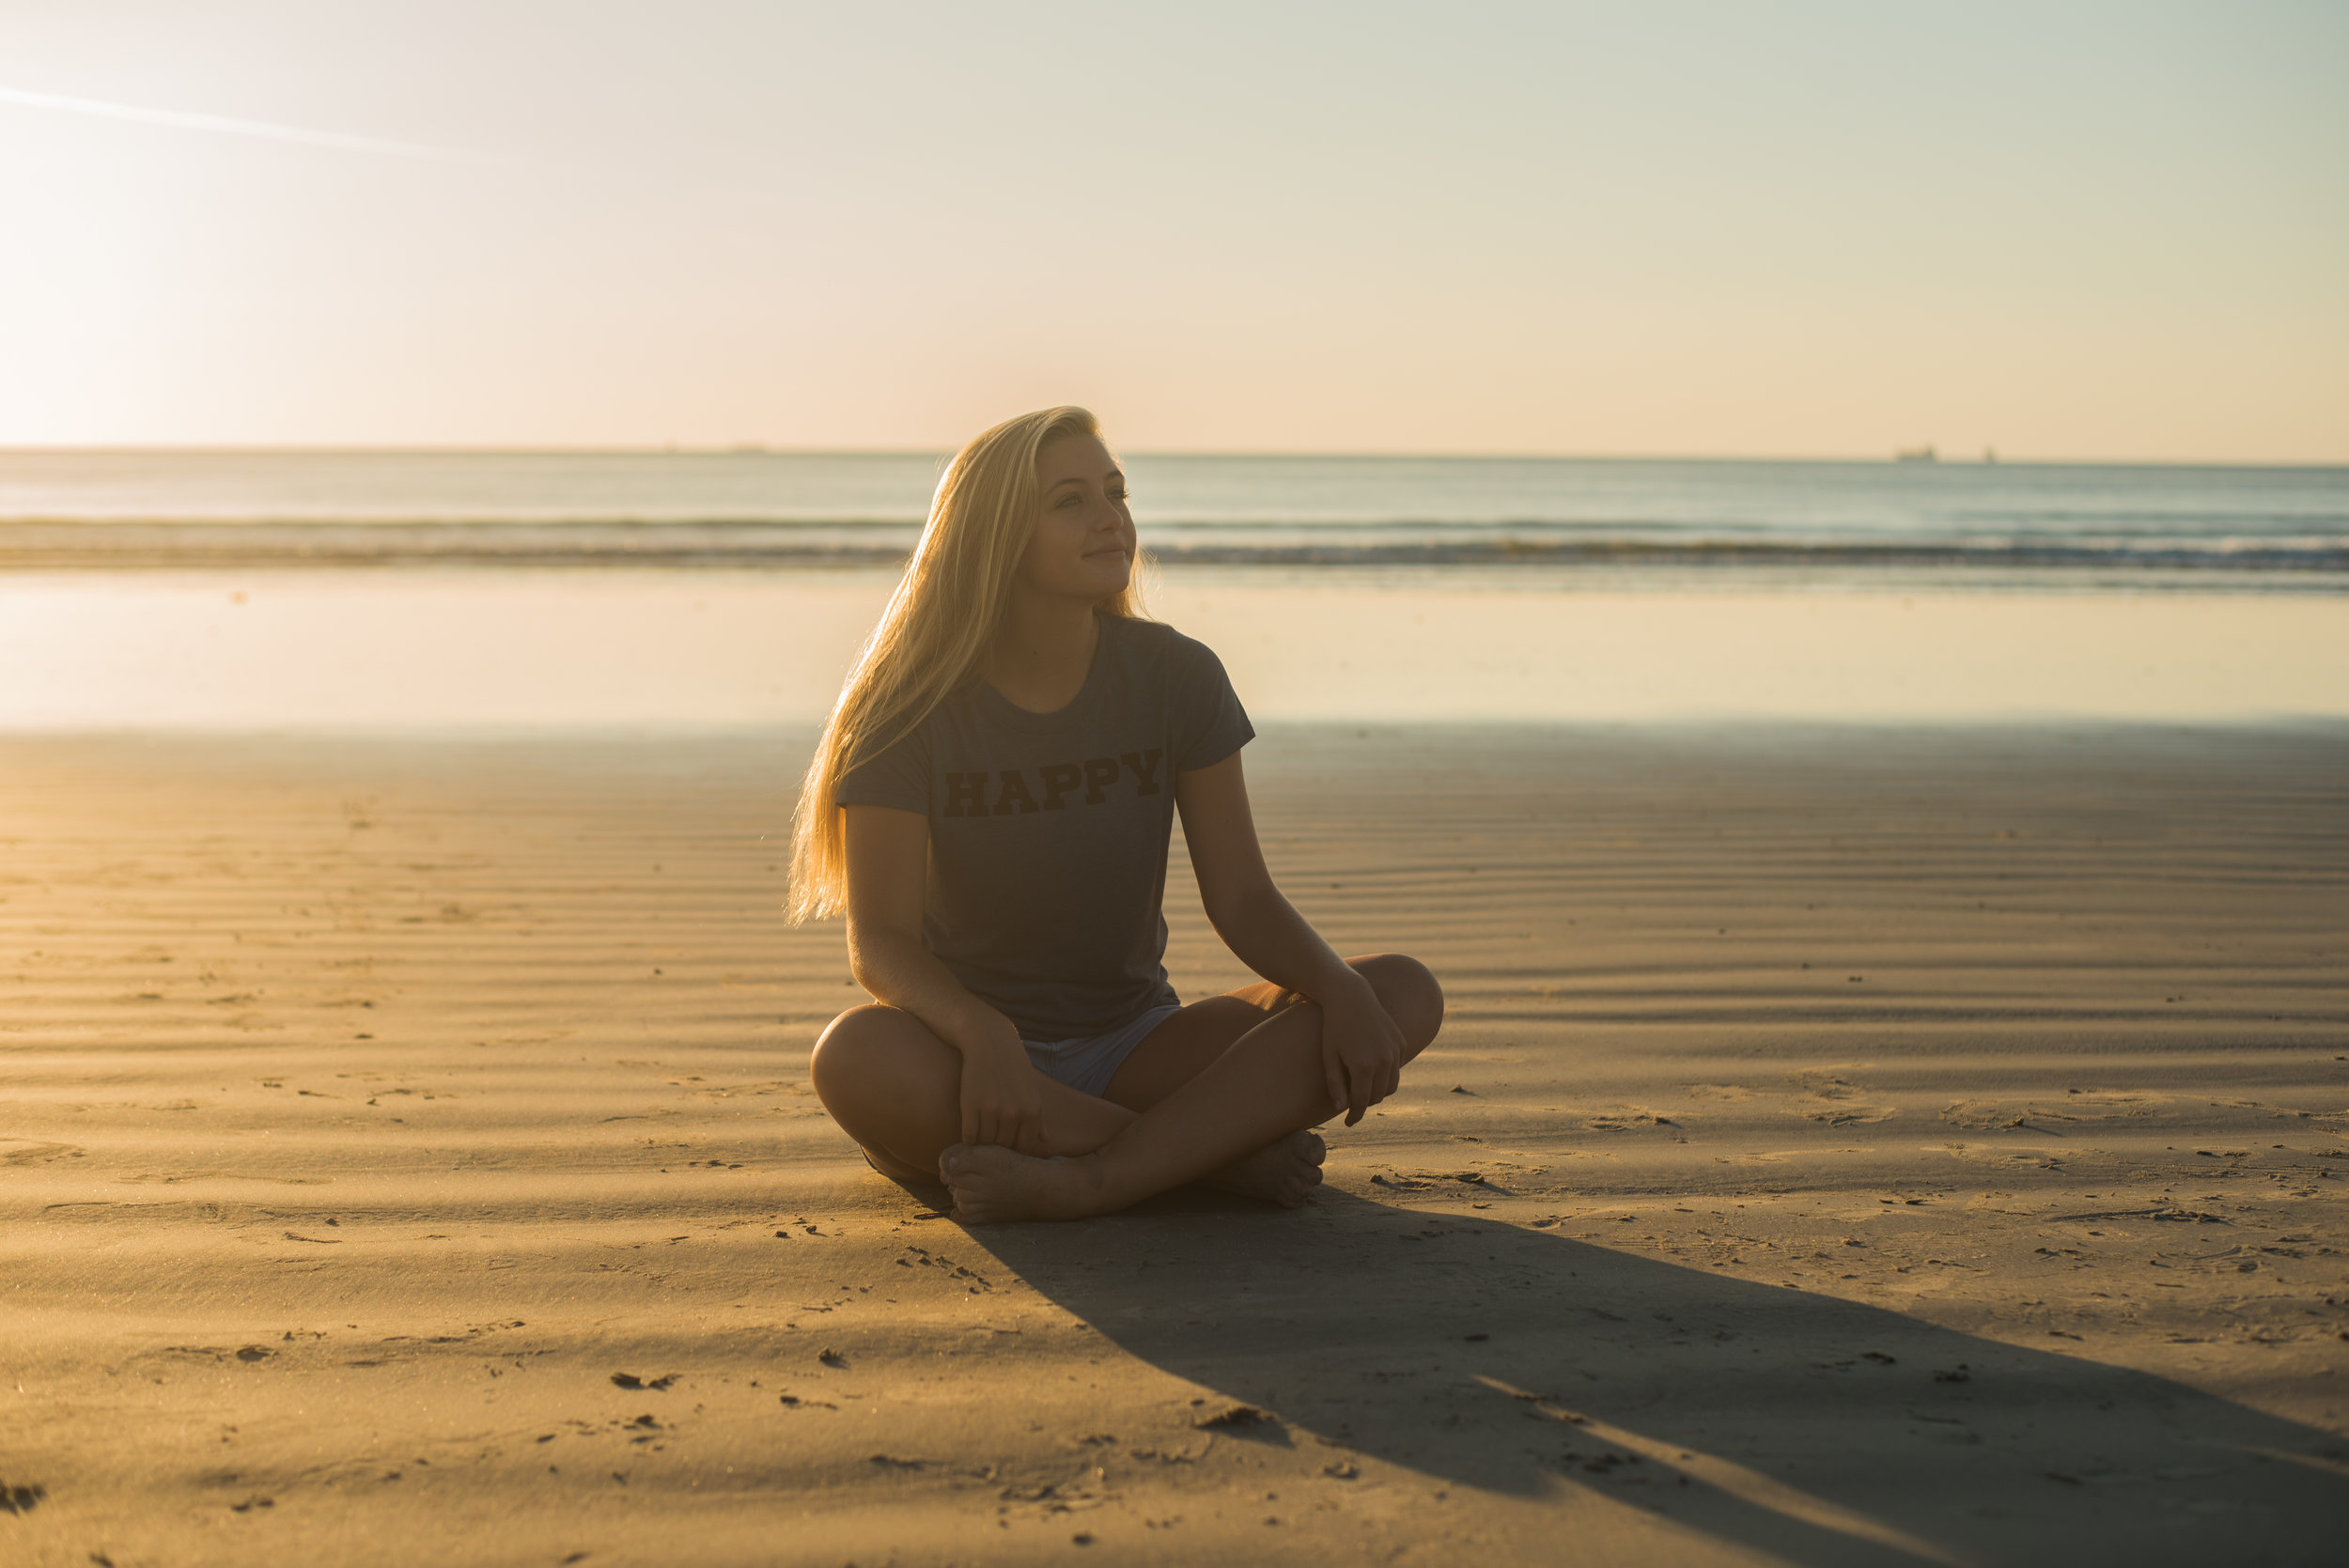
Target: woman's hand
{"type": "Point", "coordinates": [1361, 1049]}
{"type": "Point", "coordinates": [1003, 1094]}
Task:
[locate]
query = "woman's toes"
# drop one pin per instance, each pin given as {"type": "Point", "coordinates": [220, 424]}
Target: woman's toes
{"type": "Point", "coordinates": [991, 1183]}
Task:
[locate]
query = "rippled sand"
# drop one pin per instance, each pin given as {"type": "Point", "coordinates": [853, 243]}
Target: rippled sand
{"type": "Point", "coordinates": [1859, 1147]}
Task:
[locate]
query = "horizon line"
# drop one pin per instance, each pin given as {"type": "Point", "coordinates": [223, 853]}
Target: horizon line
{"type": "Point", "coordinates": [1990, 457]}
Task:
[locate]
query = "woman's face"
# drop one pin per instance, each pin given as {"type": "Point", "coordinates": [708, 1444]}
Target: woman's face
{"type": "Point", "coordinates": [1083, 543]}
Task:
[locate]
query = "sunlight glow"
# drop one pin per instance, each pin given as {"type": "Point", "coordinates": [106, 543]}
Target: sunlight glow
{"type": "Point", "coordinates": [2101, 231]}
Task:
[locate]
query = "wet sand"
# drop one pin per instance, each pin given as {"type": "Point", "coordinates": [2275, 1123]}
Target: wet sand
{"type": "Point", "coordinates": [647, 649]}
{"type": "Point", "coordinates": [1861, 1146]}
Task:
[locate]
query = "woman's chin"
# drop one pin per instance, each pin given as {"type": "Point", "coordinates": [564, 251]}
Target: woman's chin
{"type": "Point", "coordinates": [1110, 578]}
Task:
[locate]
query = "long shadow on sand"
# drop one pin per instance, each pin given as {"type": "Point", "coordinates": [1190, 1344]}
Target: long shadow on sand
{"type": "Point", "coordinates": [1823, 1431]}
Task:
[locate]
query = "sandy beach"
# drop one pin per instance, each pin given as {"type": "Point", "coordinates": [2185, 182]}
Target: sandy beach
{"type": "Point", "coordinates": [1797, 558]}
{"type": "Point", "coordinates": [1847, 1146]}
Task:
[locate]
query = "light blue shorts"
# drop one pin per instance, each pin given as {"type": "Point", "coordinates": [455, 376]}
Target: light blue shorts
{"type": "Point", "coordinates": [1087, 1064]}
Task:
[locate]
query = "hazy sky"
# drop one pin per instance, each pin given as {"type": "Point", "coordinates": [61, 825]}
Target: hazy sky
{"type": "Point", "coordinates": [2106, 230]}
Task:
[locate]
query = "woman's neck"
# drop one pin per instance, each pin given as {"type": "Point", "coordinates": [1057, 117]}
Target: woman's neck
{"type": "Point", "coordinates": [1043, 651]}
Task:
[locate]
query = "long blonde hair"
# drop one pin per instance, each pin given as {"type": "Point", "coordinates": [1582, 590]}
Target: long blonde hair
{"type": "Point", "coordinates": [934, 632]}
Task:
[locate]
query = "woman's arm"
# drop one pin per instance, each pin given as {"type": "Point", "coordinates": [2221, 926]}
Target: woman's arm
{"type": "Point", "coordinates": [1361, 1048]}
{"type": "Point", "coordinates": [1003, 1094]}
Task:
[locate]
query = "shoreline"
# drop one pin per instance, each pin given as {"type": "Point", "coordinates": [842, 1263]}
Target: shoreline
{"type": "Point", "coordinates": [2274, 565]}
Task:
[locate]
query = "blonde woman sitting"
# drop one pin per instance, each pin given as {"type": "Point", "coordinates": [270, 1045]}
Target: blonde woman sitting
{"type": "Point", "coordinates": [992, 804]}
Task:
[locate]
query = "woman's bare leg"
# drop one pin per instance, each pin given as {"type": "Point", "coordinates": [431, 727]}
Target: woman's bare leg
{"type": "Point", "coordinates": [1260, 1087]}
{"type": "Point", "coordinates": [895, 1087]}
{"type": "Point", "coordinates": [1283, 1171]}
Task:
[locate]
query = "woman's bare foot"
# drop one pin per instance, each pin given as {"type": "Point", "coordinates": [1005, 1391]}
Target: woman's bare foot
{"type": "Point", "coordinates": [1283, 1171]}
{"type": "Point", "coordinates": [992, 1183]}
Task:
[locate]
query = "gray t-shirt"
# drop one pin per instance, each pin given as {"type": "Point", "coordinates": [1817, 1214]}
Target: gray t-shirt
{"type": "Point", "coordinates": [1049, 831]}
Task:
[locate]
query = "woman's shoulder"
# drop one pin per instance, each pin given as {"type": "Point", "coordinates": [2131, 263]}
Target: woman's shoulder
{"type": "Point", "coordinates": [1157, 642]}
{"type": "Point", "coordinates": [906, 736]}
{"type": "Point", "coordinates": [1182, 672]}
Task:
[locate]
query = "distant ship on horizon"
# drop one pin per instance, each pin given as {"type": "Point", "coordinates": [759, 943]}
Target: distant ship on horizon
{"type": "Point", "coordinates": [1916, 454]}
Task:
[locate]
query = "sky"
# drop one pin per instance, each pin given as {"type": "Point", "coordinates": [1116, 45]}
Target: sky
{"type": "Point", "coordinates": [2058, 228]}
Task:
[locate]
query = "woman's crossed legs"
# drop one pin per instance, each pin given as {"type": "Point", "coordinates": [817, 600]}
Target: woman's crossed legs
{"type": "Point", "coordinates": [1225, 1091]}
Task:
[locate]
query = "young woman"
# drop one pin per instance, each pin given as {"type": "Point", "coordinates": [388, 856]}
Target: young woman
{"type": "Point", "coordinates": [992, 804]}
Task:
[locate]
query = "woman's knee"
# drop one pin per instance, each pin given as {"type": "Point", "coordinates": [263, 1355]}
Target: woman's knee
{"type": "Point", "coordinates": [1408, 989]}
{"type": "Point", "coordinates": [888, 1082]}
{"type": "Point", "coordinates": [852, 1046]}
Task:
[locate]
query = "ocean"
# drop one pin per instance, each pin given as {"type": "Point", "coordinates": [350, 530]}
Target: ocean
{"type": "Point", "coordinates": [2074, 526]}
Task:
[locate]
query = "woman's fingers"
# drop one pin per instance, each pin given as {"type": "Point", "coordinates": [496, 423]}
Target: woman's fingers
{"type": "Point", "coordinates": [1373, 1081]}
{"type": "Point", "coordinates": [1013, 1127]}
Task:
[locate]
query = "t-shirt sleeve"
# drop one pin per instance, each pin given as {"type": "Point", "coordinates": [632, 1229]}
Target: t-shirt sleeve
{"type": "Point", "coordinates": [897, 775]}
{"type": "Point", "coordinates": [1209, 722]}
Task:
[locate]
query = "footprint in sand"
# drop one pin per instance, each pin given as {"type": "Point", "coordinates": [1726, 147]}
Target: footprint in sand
{"type": "Point", "coordinates": [27, 1152]}
{"type": "Point", "coordinates": [629, 1380]}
